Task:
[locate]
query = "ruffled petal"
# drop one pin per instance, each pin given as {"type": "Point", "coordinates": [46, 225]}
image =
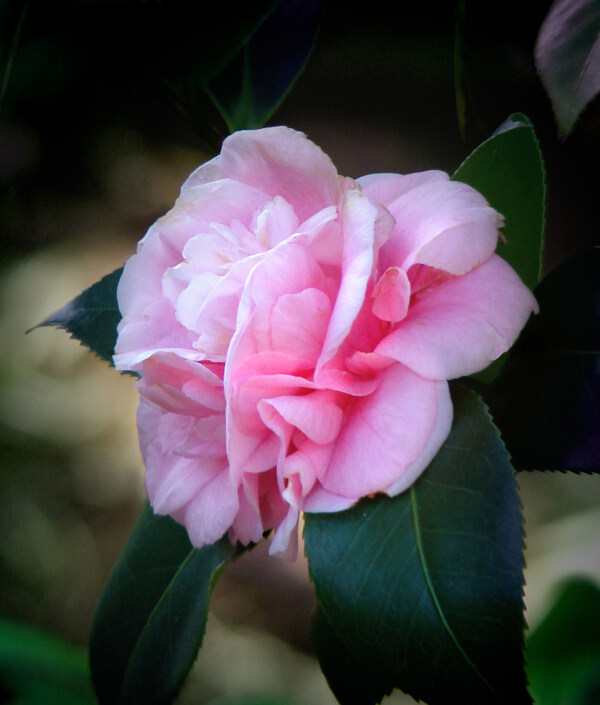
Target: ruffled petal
{"type": "Point", "coordinates": [181, 454]}
{"type": "Point", "coordinates": [282, 162]}
{"type": "Point", "coordinates": [359, 216]}
{"type": "Point", "coordinates": [440, 223]}
{"type": "Point", "coordinates": [461, 326]}
{"type": "Point", "coordinates": [212, 510]}
{"type": "Point", "coordinates": [438, 435]}
{"type": "Point", "coordinates": [384, 434]}
{"type": "Point", "coordinates": [316, 415]}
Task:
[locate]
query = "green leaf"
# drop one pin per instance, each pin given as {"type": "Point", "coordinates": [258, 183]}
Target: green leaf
{"type": "Point", "coordinates": [151, 618]}
{"type": "Point", "coordinates": [349, 678]}
{"type": "Point", "coordinates": [508, 170]}
{"type": "Point", "coordinates": [254, 83]}
{"type": "Point", "coordinates": [563, 652]}
{"type": "Point", "coordinates": [190, 65]}
{"type": "Point", "coordinates": [92, 317]}
{"type": "Point", "coordinates": [546, 400]}
{"type": "Point", "coordinates": [423, 591]}
{"type": "Point", "coordinates": [227, 29]}
{"type": "Point", "coordinates": [567, 56]}
{"type": "Point", "coordinates": [36, 667]}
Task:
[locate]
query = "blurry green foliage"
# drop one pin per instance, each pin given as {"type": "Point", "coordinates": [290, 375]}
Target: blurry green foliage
{"type": "Point", "coordinates": [563, 651]}
{"type": "Point", "coordinates": [38, 669]}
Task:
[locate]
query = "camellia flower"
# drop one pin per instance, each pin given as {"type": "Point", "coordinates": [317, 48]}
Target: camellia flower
{"type": "Point", "coordinates": [294, 332]}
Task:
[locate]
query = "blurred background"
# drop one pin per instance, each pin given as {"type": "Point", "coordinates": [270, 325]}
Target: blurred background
{"type": "Point", "coordinates": [92, 151]}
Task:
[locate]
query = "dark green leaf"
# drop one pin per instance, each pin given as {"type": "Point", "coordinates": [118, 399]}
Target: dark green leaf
{"type": "Point", "coordinates": [563, 652]}
{"type": "Point", "coordinates": [253, 84]}
{"type": "Point", "coordinates": [92, 317]}
{"type": "Point", "coordinates": [38, 668]}
{"type": "Point", "coordinates": [351, 680]}
{"type": "Point", "coordinates": [508, 170]}
{"type": "Point", "coordinates": [151, 618]}
{"type": "Point", "coordinates": [546, 400]}
{"type": "Point", "coordinates": [191, 64]}
{"type": "Point", "coordinates": [567, 56]}
{"type": "Point", "coordinates": [424, 590]}
{"type": "Point", "coordinates": [227, 28]}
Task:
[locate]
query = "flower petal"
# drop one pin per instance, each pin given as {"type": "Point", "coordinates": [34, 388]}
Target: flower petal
{"type": "Point", "coordinates": [316, 415]}
{"type": "Point", "coordinates": [359, 217]}
{"type": "Point", "coordinates": [386, 434]}
{"type": "Point", "coordinates": [391, 295]}
{"type": "Point", "coordinates": [461, 326]}
{"type": "Point", "coordinates": [440, 223]}
{"type": "Point", "coordinates": [282, 162]}
{"type": "Point", "coordinates": [178, 461]}
{"type": "Point", "coordinates": [211, 512]}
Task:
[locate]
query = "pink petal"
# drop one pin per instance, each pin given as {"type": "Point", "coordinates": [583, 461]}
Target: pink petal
{"type": "Point", "coordinates": [221, 202]}
{"type": "Point", "coordinates": [182, 386]}
{"type": "Point", "coordinates": [261, 507]}
{"type": "Point", "coordinates": [155, 331]}
{"type": "Point", "coordinates": [247, 526]}
{"type": "Point", "coordinates": [391, 295]}
{"type": "Point", "coordinates": [297, 477]}
{"type": "Point", "coordinates": [461, 326]}
{"type": "Point", "coordinates": [439, 433]}
{"type": "Point", "coordinates": [299, 322]}
{"type": "Point", "coordinates": [211, 512]}
{"type": "Point", "coordinates": [285, 537]}
{"type": "Point", "coordinates": [321, 500]}
{"type": "Point", "coordinates": [317, 415]}
{"type": "Point", "coordinates": [386, 433]}
{"type": "Point", "coordinates": [177, 459]}
{"type": "Point", "coordinates": [441, 223]}
{"type": "Point", "coordinates": [387, 188]}
{"type": "Point", "coordinates": [359, 217]}
{"type": "Point", "coordinates": [205, 173]}
{"type": "Point", "coordinates": [282, 162]}
{"type": "Point", "coordinates": [246, 391]}
{"type": "Point", "coordinates": [275, 223]}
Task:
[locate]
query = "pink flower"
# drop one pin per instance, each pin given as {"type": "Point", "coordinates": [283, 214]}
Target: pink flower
{"type": "Point", "coordinates": [295, 330]}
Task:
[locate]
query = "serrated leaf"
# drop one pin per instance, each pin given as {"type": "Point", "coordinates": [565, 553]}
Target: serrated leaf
{"type": "Point", "coordinates": [36, 667]}
{"type": "Point", "coordinates": [92, 317]}
{"type": "Point", "coordinates": [151, 618]}
{"type": "Point", "coordinates": [254, 83]}
{"type": "Point", "coordinates": [567, 57]}
{"type": "Point", "coordinates": [424, 590]}
{"type": "Point", "coordinates": [563, 652]}
{"type": "Point", "coordinates": [508, 170]}
{"type": "Point", "coordinates": [546, 400]}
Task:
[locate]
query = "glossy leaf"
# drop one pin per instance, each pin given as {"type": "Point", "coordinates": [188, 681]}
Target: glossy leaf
{"type": "Point", "coordinates": [253, 84]}
{"type": "Point", "coordinates": [567, 56]}
{"type": "Point", "coordinates": [92, 317]}
{"type": "Point", "coordinates": [36, 667]}
{"type": "Point", "coordinates": [423, 591]}
{"type": "Point", "coordinates": [563, 652]}
{"type": "Point", "coordinates": [508, 170]}
{"type": "Point", "coordinates": [151, 618]}
{"type": "Point", "coordinates": [546, 400]}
